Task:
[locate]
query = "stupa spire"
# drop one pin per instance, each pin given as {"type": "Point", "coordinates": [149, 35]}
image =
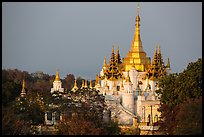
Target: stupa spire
{"type": "Point", "coordinates": [168, 64]}
{"type": "Point", "coordinates": [75, 83]}
{"type": "Point", "coordinates": [23, 85]}
{"type": "Point", "coordinates": [113, 49]}
{"type": "Point", "coordinates": [104, 63]}
{"type": "Point", "coordinates": [57, 77]}
{"type": "Point", "coordinates": [90, 86]}
{"type": "Point", "coordinates": [128, 77]}
{"type": "Point", "coordinates": [137, 28]}
{"type": "Point", "coordinates": [85, 85]}
{"type": "Point", "coordinates": [23, 92]}
{"type": "Point", "coordinates": [82, 85]}
{"type": "Point", "coordinates": [75, 86]}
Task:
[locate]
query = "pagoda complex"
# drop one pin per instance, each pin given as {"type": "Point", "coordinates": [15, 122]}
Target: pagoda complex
{"type": "Point", "coordinates": [129, 84]}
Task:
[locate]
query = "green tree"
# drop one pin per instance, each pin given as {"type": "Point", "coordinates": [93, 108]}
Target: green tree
{"type": "Point", "coordinates": [175, 91]}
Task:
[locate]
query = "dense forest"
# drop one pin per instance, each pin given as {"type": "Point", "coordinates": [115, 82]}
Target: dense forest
{"type": "Point", "coordinates": [180, 95]}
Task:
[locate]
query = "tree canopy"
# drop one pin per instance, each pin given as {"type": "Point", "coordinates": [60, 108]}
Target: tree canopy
{"type": "Point", "coordinates": [181, 100]}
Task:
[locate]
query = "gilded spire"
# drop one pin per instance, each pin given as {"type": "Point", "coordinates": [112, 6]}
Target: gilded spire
{"type": "Point", "coordinates": [82, 85]}
{"type": "Point", "coordinates": [75, 86]}
{"type": "Point", "coordinates": [85, 85]}
{"type": "Point", "coordinates": [75, 83]}
{"type": "Point", "coordinates": [23, 89]}
{"type": "Point", "coordinates": [104, 63]}
{"type": "Point", "coordinates": [57, 78]}
{"type": "Point", "coordinates": [136, 51]}
{"type": "Point", "coordinates": [90, 86]}
{"type": "Point", "coordinates": [117, 52]}
{"type": "Point", "coordinates": [158, 48]}
{"type": "Point", "coordinates": [97, 80]}
{"type": "Point", "coordinates": [137, 28]}
{"type": "Point", "coordinates": [168, 64]}
{"type": "Point", "coordinates": [128, 77]}
{"type": "Point", "coordinates": [113, 49]}
{"type": "Point", "coordinates": [117, 57]}
{"type": "Point", "coordinates": [155, 51]}
{"type": "Point", "coordinates": [23, 85]}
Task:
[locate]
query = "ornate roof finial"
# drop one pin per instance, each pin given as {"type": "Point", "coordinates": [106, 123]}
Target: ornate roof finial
{"type": "Point", "coordinates": [57, 78]}
{"type": "Point", "coordinates": [128, 77]}
{"type": "Point", "coordinates": [23, 92]}
{"type": "Point", "coordinates": [113, 49]}
{"type": "Point", "coordinates": [90, 86]}
{"type": "Point", "coordinates": [168, 64]}
{"type": "Point", "coordinates": [75, 83]}
{"type": "Point", "coordinates": [82, 84]}
{"type": "Point", "coordinates": [138, 8]}
{"type": "Point", "coordinates": [159, 50]}
{"type": "Point", "coordinates": [23, 85]}
{"type": "Point", "coordinates": [75, 86]}
{"type": "Point", "coordinates": [137, 28]}
{"type": "Point", "coordinates": [97, 80]}
{"type": "Point", "coordinates": [85, 85]}
{"type": "Point", "coordinates": [104, 62]}
{"type": "Point", "coordinates": [155, 54]}
{"type": "Point", "coordinates": [118, 49]}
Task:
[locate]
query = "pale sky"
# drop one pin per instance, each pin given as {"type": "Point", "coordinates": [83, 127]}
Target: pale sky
{"type": "Point", "coordinates": [75, 37]}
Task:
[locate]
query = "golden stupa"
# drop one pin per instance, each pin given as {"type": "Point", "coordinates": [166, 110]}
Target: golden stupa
{"type": "Point", "coordinates": [136, 53]}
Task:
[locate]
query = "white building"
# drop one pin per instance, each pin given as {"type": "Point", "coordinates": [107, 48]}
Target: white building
{"type": "Point", "coordinates": [57, 84]}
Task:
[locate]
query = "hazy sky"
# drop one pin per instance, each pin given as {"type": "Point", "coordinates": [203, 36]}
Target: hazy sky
{"type": "Point", "coordinates": [75, 37]}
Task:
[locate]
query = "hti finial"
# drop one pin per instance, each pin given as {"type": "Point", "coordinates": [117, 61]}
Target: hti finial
{"type": "Point", "coordinates": [113, 49]}
{"type": "Point", "coordinates": [168, 63]}
{"type": "Point", "coordinates": [104, 62]}
{"type": "Point", "coordinates": [138, 8]}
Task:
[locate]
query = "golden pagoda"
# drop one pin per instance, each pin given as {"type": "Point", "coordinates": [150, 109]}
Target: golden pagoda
{"type": "Point", "coordinates": [136, 53]}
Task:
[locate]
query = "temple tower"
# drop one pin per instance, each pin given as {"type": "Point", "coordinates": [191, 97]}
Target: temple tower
{"type": "Point", "coordinates": [136, 52]}
{"type": "Point", "coordinates": [23, 92]}
{"type": "Point", "coordinates": [57, 84]}
{"type": "Point", "coordinates": [128, 95]}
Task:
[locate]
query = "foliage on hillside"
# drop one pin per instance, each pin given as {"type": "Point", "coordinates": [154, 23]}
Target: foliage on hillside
{"type": "Point", "coordinates": [19, 113]}
{"type": "Point", "coordinates": [181, 101]}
